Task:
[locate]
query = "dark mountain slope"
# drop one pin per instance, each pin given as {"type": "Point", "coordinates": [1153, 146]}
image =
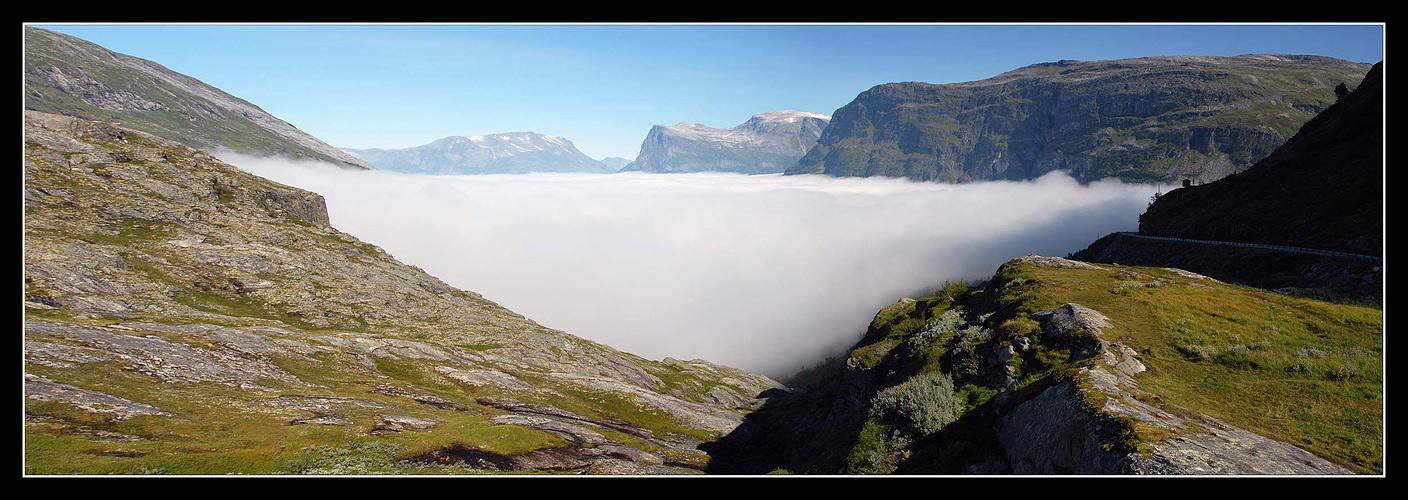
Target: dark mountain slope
{"type": "Point", "coordinates": [1323, 189]}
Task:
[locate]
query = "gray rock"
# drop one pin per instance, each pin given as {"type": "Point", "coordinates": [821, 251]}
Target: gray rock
{"type": "Point", "coordinates": [400, 423]}
{"type": "Point", "coordinates": [1058, 432]}
{"type": "Point", "coordinates": [42, 389]}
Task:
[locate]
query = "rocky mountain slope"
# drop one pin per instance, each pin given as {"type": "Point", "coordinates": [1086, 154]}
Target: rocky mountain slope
{"type": "Point", "coordinates": [507, 153]}
{"type": "Point", "coordinates": [182, 316]}
{"type": "Point", "coordinates": [1056, 366]}
{"type": "Point", "coordinates": [1153, 119]}
{"type": "Point", "coordinates": [67, 75]}
{"type": "Point", "coordinates": [1323, 189]}
{"type": "Point", "coordinates": [767, 143]}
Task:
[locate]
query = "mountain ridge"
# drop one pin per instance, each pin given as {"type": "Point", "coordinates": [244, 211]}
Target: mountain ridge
{"type": "Point", "coordinates": [68, 75]}
{"type": "Point", "coordinates": [1152, 119]}
{"type": "Point", "coordinates": [501, 153]}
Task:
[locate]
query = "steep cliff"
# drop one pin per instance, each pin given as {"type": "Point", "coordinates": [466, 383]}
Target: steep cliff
{"type": "Point", "coordinates": [1151, 119]}
{"type": "Point", "coordinates": [767, 143]}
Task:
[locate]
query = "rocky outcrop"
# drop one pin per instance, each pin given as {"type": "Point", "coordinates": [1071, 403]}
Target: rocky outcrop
{"type": "Point", "coordinates": [42, 389]}
{"type": "Point", "coordinates": [1098, 421]}
{"type": "Point", "coordinates": [766, 143]}
{"type": "Point", "coordinates": [69, 76]}
{"type": "Point", "coordinates": [1154, 119]}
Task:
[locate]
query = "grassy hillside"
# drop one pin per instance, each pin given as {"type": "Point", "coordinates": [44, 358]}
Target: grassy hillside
{"type": "Point", "coordinates": [184, 317]}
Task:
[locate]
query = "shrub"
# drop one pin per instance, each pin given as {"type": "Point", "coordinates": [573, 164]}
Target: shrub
{"type": "Point", "coordinates": [924, 404]}
{"type": "Point", "coordinates": [935, 329]}
{"type": "Point", "coordinates": [877, 450]}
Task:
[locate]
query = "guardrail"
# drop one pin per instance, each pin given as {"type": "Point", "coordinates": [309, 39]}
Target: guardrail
{"type": "Point", "coordinates": [1312, 251]}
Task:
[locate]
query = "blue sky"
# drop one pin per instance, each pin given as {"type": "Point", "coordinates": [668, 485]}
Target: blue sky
{"type": "Point", "coordinates": [604, 86]}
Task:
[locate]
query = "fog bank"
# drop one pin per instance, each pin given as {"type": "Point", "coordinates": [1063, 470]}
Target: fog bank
{"type": "Point", "coordinates": [765, 273]}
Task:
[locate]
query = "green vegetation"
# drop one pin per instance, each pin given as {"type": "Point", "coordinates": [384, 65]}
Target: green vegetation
{"type": "Point", "coordinates": [1141, 120]}
{"type": "Point", "coordinates": [1297, 370]}
{"type": "Point", "coordinates": [923, 404]}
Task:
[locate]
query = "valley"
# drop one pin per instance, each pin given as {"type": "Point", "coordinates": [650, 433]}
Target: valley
{"type": "Point", "coordinates": [994, 277]}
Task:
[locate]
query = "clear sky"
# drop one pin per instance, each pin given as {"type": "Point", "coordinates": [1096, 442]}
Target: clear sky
{"type": "Point", "coordinates": [604, 86]}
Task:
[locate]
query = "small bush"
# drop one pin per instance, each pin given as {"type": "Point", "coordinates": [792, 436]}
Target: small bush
{"type": "Point", "coordinates": [369, 457]}
{"type": "Point", "coordinates": [925, 404]}
{"type": "Point", "coordinates": [878, 450]}
{"type": "Point", "coordinates": [1125, 287]}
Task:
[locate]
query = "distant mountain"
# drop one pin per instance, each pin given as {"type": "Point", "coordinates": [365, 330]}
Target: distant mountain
{"type": "Point", "coordinates": [1152, 119]}
{"type": "Point", "coordinates": [508, 153]}
{"type": "Point", "coordinates": [766, 143]}
{"type": "Point", "coordinates": [1323, 189]}
{"type": "Point", "coordinates": [615, 162]}
{"type": "Point", "coordinates": [70, 76]}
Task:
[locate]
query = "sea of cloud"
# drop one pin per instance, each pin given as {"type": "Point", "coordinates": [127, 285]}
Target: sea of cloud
{"type": "Point", "coordinates": [765, 273]}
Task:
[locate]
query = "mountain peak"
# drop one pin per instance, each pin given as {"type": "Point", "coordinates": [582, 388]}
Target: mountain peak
{"type": "Point", "coordinates": [766, 143]}
{"type": "Point", "coordinates": [501, 153]}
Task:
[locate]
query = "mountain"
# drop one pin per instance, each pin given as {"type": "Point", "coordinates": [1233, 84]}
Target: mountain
{"type": "Point", "coordinates": [508, 153]}
{"type": "Point", "coordinates": [1322, 189]}
{"type": "Point", "coordinates": [767, 143]}
{"type": "Point", "coordinates": [182, 316]}
{"type": "Point", "coordinates": [1055, 366]}
{"type": "Point", "coordinates": [614, 162]}
{"type": "Point", "coordinates": [1153, 119]}
{"type": "Point", "coordinates": [70, 76]}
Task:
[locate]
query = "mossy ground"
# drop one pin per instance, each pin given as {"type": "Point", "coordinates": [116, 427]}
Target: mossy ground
{"type": "Point", "coordinates": [1297, 370]}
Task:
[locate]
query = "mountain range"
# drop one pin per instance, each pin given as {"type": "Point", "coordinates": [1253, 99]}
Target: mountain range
{"type": "Point", "coordinates": [506, 153]}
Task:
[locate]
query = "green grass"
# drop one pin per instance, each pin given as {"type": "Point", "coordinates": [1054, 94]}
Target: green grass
{"type": "Point", "coordinates": [1297, 370]}
{"type": "Point", "coordinates": [217, 429]}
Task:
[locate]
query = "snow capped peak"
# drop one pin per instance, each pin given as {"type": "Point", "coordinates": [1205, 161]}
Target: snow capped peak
{"type": "Point", "coordinates": [789, 116]}
{"type": "Point", "coordinates": [512, 143]}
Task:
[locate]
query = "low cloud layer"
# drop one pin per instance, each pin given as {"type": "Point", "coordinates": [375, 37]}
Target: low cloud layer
{"type": "Point", "coordinates": [764, 273]}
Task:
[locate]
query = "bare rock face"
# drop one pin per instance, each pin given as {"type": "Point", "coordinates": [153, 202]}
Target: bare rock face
{"type": "Point", "coordinates": [43, 389]}
{"type": "Point", "coordinates": [1086, 425]}
{"type": "Point", "coordinates": [766, 143]}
